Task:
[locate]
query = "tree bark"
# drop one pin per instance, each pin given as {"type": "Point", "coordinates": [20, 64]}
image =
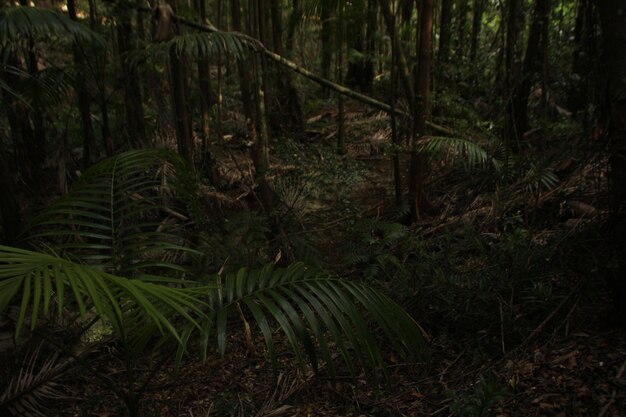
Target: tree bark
{"type": "Point", "coordinates": [404, 70]}
{"type": "Point", "coordinates": [184, 138]}
{"type": "Point", "coordinates": [244, 77]}
{"type": "Point", "coordinates": [533, 62]}
{"type": "Point", "coordinates": [511, 73]}
{"type": "Point", "coordinates": [133, 101]}
{"type": "Point", "coordinates": [287, 94]}
{"type": "Point", "coordinates": [477, 18]}
{"type": "Point", "coordinates": [444, 31]}
{"type": "Point", "coordinates": [613, 21]}
{"type": "Point", "coordinates": [84, 103]}
{"type": "Point", "coordinates": [208, 165]}
{"type": "Point", "coordinates": [461, 28]}
{"type": "Point", "coordinates": [417, 173]}
{"type": "Point", "coordinates": [326, 39]}
{"type": "Point", "coordinates": [294, 19]}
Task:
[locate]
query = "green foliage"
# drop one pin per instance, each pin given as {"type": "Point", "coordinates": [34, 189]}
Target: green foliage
{"type": "Point", "coordinates": [479, 403]}
{"type": "Point", "coordinates": [308, 304]}
{"type": "Point", "coordinates": [471, 154]}
{"type": "Point", "coordinates": [20, 23]}
{"type": "Point", "coordinates": [197, 46]}
{"type": "Point", "coordinates": [113, 222]}
{"type": "Point", "coordinates": [380, 249]}
{"type": "Point", "coordinates": [124, 215]}
{"type": "Point", "coordinates": [39, 281]}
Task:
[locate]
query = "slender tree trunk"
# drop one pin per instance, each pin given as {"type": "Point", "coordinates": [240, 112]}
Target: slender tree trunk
{"type": "Point", "coordinates": [26, 154]}
{"type": "Point", "coordinates": [395, 137]}
{"type": "Point", "coordinates": [294, 19]}
{"type": "Point", "coordinates": [287, 94]}
{"type": "Point", "coordinates": [184, 137]}
{"type": "Point", "coordinates": [355, 41]}
{"type": "Point", "coordinates": [133, 101]}
{"type": "Point", "coordinates": [461, 28]}
{"type": "Point", "coordinates": [511, 73]}
{"type": "Point", "coordinates": [84, 103]}
{"type": "Point", "coordinates": [35, 145]}
{"type": "Point", "coordinates": [208, 165]}
{"type": "Point", "coordinates": [403, 66]}
{"type": "Point", "coordinates": [370, 44]}
{"type": "Point", "coordinates": [9, 206]}
{"type": "Point", "coordinates": [417, 173]}
{"type": "Point", "coordinates": [244, 77]}
{"type": "Point", "coordinates": [583, 56]}
{"type": "Point", "coordinates": [445, 26]}
{"type": "Point", "coordinates": [533, 61]}
{"type": "Point", "coordinates": [613, 20]}
{"type": "Point", "coordinates": [477, 18]}
{"type": "Point", "coordinates": [326, 39]}
{"type": "Point", "coordinates": [341, 120]}
{"type": "Point", "coordinates": [261, 146]}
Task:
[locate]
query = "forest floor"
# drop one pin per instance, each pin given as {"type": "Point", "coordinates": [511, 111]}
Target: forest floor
{"type": "Point", "coordinates": [568, 362]}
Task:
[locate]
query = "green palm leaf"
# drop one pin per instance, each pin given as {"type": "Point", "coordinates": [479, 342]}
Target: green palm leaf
{"type": "Point", "coordinates": [17, 23]}
{"type": "Point", "coordinates": [197, 46]}
{"type": "Point", "coordinates": [125, 215]}
{"type": "Point", "coordinates": [470, 153]}
{"type": "Point", "coordinates": [37, 280]}
{"type": "Point", "coordinates": [309, 306]}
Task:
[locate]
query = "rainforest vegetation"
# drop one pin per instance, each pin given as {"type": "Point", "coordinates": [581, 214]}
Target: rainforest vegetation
{"type": "Point", "coordinates": [312, 208]}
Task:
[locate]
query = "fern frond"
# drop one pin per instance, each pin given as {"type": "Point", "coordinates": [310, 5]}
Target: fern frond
{"type": "Point", "coordinates": [113, 217]}
{"type": "Point", "coordinates": [196, 46]}
{"type": "Point", "coordinates": [20, 22]}
{"type": "Point", "coordinates": [36, 281]}
{"type": "Point", "coordinates": [308, 305]}
{"type": "Point", "coordinates": [469, 152]}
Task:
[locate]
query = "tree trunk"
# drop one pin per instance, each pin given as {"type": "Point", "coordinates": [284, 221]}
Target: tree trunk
{"type": "Point", "coordinates": [461, 28]}
{"type": "Point", "coordinates": [133, 101]}
{"type": "Point", "coordinates": [294, 19]}
{"type": "Point", "coordinates": [326, 39]}
{"type": "Point", "coordinates": [445, 31]}
{"type": "Point", "coordinates": [84, 103]}
{"type": "Point", "coordinates": [403, 66]}
{"type": "Point", "coordinates": [184, 137]}
{"type": "Point", "coordinates": [613, 21]}
{"type": "Point", "coordinates": [477, 18]}
{"type": "Point", "coordinates": [19, 117]}
{"type": "Point", "coordinates": [208, 166]}
{"type": "Point", "coordinates": [583, 56]}
{"type": "Point", "coordinates": [340, 35]}
{"type": "Point", "coordinates": [287, 94]}
{"type": "Point", "coordinates": [533, 61]}
{"type": "Point", "coordinates": [417, 173]}
{"type": "Point", "coordinates": [261, 144]}
{"type": "Point", "coordinates": [511, 73]}
{"type": "Point", "coordinates": [9, 206]}
{"type": "Point", "coordinates": [244, 77]}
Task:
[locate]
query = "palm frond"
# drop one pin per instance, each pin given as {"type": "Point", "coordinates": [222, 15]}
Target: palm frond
{"type": "Point", "coordinates": [538, 178]}
{"type": "Point", "coordinates": [196, 46]}
{"type": "Point", "coordinates": [37, 281]}
{"type": "Point", "coordinates": [35, 383]}
{"type": "Point", "coordinates": [20, 22]}
{"type": "Point", "coordinates": [470, 153]}
{"type": "Point", "coordinates": [125, 215]}
{"type": "Point", "coordinates": [309, 305]}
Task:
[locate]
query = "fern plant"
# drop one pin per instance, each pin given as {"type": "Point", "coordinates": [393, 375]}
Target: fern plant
{"type": "Point", "coordinates": [110, 243]}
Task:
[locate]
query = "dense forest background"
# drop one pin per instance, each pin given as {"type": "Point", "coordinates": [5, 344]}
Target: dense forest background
{"type": "Point", "coordinates": [313, 207]}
